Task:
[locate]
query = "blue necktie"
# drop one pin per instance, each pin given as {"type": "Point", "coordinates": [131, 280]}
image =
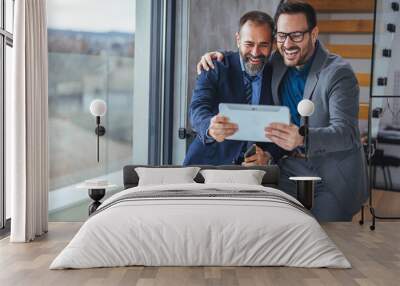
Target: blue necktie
{"type": "Point", "coordinates": [248, 91]}
{"type": "Point", "coordinates": [248, 88]}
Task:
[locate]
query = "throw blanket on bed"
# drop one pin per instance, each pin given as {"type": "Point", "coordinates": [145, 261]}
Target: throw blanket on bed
{"type": "Point", "coordinates": [198, 225]}
{"type": "Point", "coordinates": [205, 194]}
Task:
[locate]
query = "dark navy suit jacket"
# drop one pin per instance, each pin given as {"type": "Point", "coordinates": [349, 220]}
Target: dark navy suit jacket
{"type": "Point", "coordinates": [224, 84]}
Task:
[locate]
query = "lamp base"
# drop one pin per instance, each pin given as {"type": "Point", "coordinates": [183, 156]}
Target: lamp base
{"type": "Point", "coordinates": [100, 130]}
{"type": "Point", "coordinates": [96, 195]}
{"type": "Point", "coordinates": [305, 190]}
{"type": "Point", "coordinates": [305, 193]}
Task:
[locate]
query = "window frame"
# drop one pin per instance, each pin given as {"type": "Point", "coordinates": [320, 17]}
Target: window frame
{"type": "Point", "coordinates": [6, 39]}
{"type": "Point", "coordinates": [161, 94]}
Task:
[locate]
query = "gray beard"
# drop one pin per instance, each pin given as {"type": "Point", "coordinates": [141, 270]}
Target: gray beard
{"type": "Point", "coordinates": [251, 69]}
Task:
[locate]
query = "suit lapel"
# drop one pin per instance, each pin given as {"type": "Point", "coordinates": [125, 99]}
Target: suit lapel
{"type": "Point", "coordinates": [313, 76]}
{"type": "Point", "coordinates": [266, 96]}
{"type": "Point", "coordinates": [237, 79]}
{"type": "Point", "coordinates": [279, 70]}
{"type": "Point", "coordinates": [311, 83]}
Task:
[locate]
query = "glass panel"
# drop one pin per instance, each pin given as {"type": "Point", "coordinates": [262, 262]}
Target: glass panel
{"type": "Point", "coordinates": [385, 134]}
{"type": "Point", "coordinates": [8, 86]}
{"type": "Point", "coordinates": [2, 136]}
{"type": "Point", "coordinates": [387, 56]}
{"type": "Point", "coordinates": [9, 15]}
{"type": "Point", "coordinates": [385, 109]}
{"type": "Point", "coordinates": [91, 56]}
{"type": "Point", "coordinates": [1, 15]}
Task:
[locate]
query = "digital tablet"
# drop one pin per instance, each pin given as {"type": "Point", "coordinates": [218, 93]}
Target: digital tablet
{"type": "Point", "coordinates": [252, 119]}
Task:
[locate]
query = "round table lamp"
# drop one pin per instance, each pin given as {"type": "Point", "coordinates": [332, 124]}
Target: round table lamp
{"type": "Point", "coordinates": [98, 108]}
{"type": "Point", "coordinates": [305, 109]}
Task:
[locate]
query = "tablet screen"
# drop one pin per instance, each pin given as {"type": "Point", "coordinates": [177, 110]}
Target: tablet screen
{"type": "Point", "coordinates": [252, 119]}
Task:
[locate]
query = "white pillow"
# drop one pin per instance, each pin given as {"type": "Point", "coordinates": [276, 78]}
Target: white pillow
{"type": "Point", "coordinates": [248, 177]}
{"type": "Point", "coordinates": [165, 176]}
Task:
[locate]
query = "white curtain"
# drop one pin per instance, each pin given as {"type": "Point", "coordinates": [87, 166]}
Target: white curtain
{"type": "Point", "coordinates": [26, 129]}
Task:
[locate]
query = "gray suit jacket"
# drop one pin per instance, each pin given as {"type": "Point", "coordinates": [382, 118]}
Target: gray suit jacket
{"type": "Point", "coordinates": [335, 149]}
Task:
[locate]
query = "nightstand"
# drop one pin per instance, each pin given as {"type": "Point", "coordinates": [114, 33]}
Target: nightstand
{"type": "Point", "coordinates": [305, 190]}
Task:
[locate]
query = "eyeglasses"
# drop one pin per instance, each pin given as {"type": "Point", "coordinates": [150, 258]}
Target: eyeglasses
{"type": "Point", "coordinates": [296, 36]}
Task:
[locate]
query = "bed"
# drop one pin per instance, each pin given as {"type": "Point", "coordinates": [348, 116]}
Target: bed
{"type": "Point", "coordinates": [201, 224]}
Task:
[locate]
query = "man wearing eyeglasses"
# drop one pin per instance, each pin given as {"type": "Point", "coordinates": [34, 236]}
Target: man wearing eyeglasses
{"type": "Point", "coordinates": [240, 79]}
{"type": "Point", "coordinates": [304, 69]}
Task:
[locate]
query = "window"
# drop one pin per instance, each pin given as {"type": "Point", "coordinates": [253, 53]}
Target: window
{"type": "Point", "coordinates": [6, 42]}
{"type": "Point", "coordinates": [96, 50]}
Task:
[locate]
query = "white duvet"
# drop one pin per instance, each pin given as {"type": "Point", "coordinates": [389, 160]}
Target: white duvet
{"type": "Point", "coordinates": [200, 231]}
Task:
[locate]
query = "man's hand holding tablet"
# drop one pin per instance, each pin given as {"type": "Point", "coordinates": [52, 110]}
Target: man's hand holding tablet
{"type": "Point", "coordinates": [284, 135]}
{"type": "Point", "coordinates": [221, 127]}
{"type": "Point", "coordinates": [250, 120]}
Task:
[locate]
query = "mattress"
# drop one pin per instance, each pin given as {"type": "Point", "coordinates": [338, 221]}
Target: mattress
{"type": "Point", "coordinates": [201, 225]}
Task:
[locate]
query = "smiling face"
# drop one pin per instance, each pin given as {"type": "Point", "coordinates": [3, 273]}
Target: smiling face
{"type": "Point", "coordinates": [254, 42]}
{"type": "Point", "coordinates": [295, 53]}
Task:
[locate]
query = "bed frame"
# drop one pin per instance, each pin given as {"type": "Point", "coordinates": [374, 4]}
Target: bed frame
{"type": "Point", "coordinates": [270, 179]}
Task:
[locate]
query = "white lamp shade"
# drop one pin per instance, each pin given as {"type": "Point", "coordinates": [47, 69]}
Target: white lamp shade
{"type": "Point", "coordinates": [98, 107]}
{"type": "Point", "coordinates": [305, 107]}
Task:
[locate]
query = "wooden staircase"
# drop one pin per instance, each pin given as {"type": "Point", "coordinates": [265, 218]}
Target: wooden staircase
{"type": "Point", "coordinates": [343, 6]}
{"type": "Point", "coordinates": [346, 27]}
{"type": "Point", "coordinates": [351, 51]}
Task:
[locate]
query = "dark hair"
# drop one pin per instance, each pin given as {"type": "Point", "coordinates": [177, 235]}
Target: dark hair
{"type": "Point", "coordinates": [258, 17]}
{"type": "Point", "coordinates": [296, 7]}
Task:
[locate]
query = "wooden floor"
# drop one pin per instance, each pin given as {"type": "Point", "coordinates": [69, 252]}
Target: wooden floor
{"type": "Point", "coordinates": [374, 255]}
{"type": "Point", "coordinates": [385, 203]}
